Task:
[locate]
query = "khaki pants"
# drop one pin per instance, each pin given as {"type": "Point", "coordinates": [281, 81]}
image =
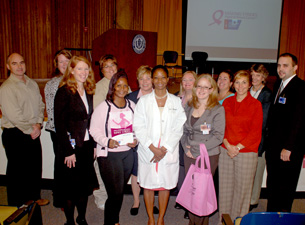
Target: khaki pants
{"type": "Point", "coordinates": [236, 178]}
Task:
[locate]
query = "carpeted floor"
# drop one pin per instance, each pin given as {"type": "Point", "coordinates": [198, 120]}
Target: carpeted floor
{"type": "Point", "coordinates": [95, 216]}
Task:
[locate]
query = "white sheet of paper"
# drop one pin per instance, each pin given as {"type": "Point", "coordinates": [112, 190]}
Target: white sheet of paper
{"type": "Point", "coordinates": [123, 139]}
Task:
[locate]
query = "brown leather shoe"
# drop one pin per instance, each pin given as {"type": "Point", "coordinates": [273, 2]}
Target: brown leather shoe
{"type": "Point", "coordinates": [42, 202]}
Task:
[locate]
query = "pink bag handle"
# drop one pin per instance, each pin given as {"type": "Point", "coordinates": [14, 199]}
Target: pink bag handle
{"type": "Point", "coordinates": [204, 158]}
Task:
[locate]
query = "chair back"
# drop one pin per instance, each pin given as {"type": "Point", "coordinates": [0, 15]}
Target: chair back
{"type": "Point", "coordinates": [170, 57]}
{"type": "Point", "coordinates": [272, 218]}
{"type": "Point", "coordinates": [199, 58]}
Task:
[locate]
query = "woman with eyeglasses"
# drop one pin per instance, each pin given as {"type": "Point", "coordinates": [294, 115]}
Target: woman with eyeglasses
{"type": "Point", "coordinates": [205, 124]}
{"type": "Point", "coordinates": [238, 156]}
{"type": "Point", "coordinates": [108, 66]}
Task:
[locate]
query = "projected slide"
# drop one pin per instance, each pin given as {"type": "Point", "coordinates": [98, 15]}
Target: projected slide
{"type": "Point", "coordinates": [234, 30]}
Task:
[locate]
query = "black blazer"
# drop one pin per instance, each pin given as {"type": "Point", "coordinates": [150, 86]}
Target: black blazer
{"type": "Point", "coordinates": [133, 96]}
{"type": "Point", "coordinates": [71, 116]}
{"type": "Point", "coordinates": [286, 123]}
{"type": "Point", "coordinates": [265, 99]}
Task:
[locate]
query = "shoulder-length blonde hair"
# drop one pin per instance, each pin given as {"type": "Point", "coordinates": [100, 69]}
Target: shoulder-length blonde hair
{"type": "Point", "coordinates": [69, 80]}
{"type": "Point", "coordinates": [181, 92]}
{"type": "Point", "coordinates": [212, 101]}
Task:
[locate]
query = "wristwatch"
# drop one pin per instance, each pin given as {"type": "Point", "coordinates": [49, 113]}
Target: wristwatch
{"type": "Point", "coordinates": [238, 148]}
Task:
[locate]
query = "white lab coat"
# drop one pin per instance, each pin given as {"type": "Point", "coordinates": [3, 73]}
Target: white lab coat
{"type": "Point", "coordinates": [148, 129]}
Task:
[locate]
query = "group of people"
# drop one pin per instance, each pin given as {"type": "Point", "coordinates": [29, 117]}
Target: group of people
{"type": "Point", "coordinates": [102, 135]}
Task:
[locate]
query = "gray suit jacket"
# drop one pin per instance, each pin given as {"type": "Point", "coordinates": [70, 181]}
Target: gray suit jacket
{"type": "Point", "coordinates": [193, 136]}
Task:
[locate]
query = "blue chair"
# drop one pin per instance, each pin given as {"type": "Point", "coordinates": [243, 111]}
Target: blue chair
{"type": "Point", "coordinates": [270, 218]}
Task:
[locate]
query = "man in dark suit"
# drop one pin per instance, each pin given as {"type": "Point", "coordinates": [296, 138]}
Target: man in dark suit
{"type": "Point", "coordinates": [286, 126]}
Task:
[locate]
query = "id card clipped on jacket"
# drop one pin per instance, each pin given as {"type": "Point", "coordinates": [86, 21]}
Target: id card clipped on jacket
{"type": "Point", "coordinates": [72, 141]}
{"type": "Point", "coordinates": [205, 128]}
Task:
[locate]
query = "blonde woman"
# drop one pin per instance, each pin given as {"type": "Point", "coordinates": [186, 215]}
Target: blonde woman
{"type": "Point", "coordinates": [146, 87]}
{"type": "Point", "coordinates": [205, 124]}
{"type": "Point", "coordinates": [186, 86]}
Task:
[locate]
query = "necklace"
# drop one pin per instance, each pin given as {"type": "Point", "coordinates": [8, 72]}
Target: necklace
{"type": "Point", "coordinates": [157, 97]}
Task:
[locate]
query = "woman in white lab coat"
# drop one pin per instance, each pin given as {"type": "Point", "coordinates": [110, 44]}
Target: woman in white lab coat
{"type": "Point", "coordinates": [158, 125]}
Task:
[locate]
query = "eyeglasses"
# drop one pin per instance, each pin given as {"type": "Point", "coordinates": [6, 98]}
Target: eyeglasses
{"type": "Point", "coordinates": [203, 88]}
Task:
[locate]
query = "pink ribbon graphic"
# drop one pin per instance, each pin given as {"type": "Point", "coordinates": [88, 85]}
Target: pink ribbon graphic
{"type": "Point", "coordinates": [217, 19]}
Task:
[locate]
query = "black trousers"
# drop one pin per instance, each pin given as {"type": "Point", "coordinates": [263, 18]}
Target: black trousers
{"type": "Point", "coordinates": [24, 166]}
{"type": "Point", "coordinates": [282, 180]}
{"type": "Point", "coordinates": [115, 170]}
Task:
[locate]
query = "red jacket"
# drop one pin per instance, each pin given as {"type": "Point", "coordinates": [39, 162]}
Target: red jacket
{"type": "Point", "coordinates": [243, 122]}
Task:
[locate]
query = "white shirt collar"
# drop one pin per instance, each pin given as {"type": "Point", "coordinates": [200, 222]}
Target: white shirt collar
{"type": "Point", "coordinates": [287, 81]}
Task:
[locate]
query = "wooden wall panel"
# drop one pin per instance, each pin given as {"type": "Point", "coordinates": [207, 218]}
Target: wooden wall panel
{"type": "Point", "coordinates": [293, 32]}
{"type": "Point", "coordinates": [129, 14]}
{"type": "Point", "coordinates": [164, 17]}
{"type": "Point", "coordinates": [37, 29]}
{"type": "Point", "coordinates": [68, 24]}
{"type": "Point", "coordinates": [24, 30]}
{"type": "Point", "coordinates": [100, 18]}
{"type": "Point", "coordinates": [5, 39]}
{"type": "Point", "coordinates": [29, 32]}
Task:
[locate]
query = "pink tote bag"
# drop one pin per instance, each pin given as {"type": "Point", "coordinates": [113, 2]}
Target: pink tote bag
{"type": "Point", "coordinates": [197, 193]}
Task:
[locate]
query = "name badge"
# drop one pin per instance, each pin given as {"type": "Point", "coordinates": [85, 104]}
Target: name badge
{"type": "Point", "coordinates": [282, 100]}
{"type": "Point", "coordinates": [72, 141]}
{"type": "Point", "coordinates": [205, 128]}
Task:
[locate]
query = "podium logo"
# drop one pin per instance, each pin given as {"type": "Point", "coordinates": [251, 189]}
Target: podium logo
{"type": "Point", "coordinates": [139, 44]}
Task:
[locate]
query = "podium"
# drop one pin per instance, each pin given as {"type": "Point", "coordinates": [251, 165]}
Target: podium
{"type": "Point", "coordinates": [131, 48]}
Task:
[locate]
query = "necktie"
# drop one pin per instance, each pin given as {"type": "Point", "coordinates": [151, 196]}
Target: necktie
{"type": "Point", "coordinates": [278, 92]}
